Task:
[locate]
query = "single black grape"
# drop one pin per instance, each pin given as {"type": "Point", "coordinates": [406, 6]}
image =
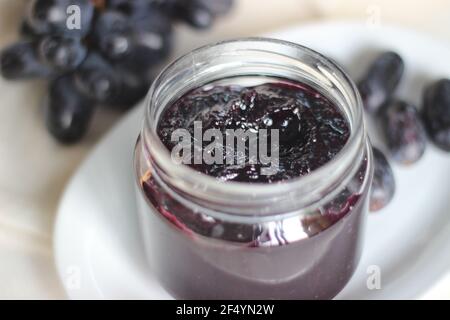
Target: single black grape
{"type": "Point", "coordinates": [146, 51]}
{"type": "Point", "coordinates": [151, 42]}
{"type": "Point", "coordinates": [96, 79]}
{"type": "Point", "coordinates": [383, 183]}
{"type": "Point", "coordinates": [132, 89]}
{"type": "Point", "coordinates": [404, 131]}
{"type": "Point", "coordinates": [196, 15]}
{"type": "Point", "coordinates": [54, 17]}
{"type": "Point", "coordinates": [67, 113]}
{"type": "Point", "coordinates": [154, 20]}
{"type": "Point", "coordinates": [111, 21]}
{"type": "Point", "coordinates": [109, 84]}
{"type": "Point", "coordinates": [216, 7]}
{"type": "Point", "coordinates": [436, 113]}
{"type": "Point", "coordinates": [112, 34]}
{"type": "Point", "coordinates": [20, 61]}
{"type": "Point", "coordinates": [63, 54]}
{"type": "Point", "coordinates": [381, 80]}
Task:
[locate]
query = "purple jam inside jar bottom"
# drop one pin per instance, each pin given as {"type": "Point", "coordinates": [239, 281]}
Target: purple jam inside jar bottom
{"type": "Point", "coordinates": [313, 257]}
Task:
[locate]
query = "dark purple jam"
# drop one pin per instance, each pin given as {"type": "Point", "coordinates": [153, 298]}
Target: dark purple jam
{"type": "Point", "coordinates": [312, 130]}
{"type": "Point", "coordinates": [197, 256]}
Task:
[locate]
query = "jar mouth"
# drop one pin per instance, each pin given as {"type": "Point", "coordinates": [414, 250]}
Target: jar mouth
{"type": "Point", "coordinates": [243, 197]}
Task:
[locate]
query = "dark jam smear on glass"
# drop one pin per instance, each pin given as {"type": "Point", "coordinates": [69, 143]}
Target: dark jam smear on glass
{"type": "Point", "coordinates": [312, 129]}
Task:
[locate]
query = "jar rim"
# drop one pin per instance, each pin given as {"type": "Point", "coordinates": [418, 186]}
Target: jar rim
{"type": "Point", "coordinates": [196, 185]}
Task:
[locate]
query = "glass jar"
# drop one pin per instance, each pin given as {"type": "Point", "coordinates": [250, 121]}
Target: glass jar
{"type": "Point", "coordinates": [296, 239]}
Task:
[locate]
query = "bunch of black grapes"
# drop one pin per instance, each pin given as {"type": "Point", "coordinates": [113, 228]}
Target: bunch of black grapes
{"type": "Point", "coordinates": [97, 52]}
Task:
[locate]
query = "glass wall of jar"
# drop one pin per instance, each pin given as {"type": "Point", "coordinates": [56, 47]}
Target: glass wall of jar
{"type": "Point", "coordinates": [295, 239]}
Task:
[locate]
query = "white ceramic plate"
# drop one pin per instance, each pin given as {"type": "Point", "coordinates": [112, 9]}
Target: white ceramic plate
{"type": "Point", "coordinates": [97, 242]}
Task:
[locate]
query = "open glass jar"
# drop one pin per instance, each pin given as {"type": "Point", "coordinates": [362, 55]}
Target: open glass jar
{"type": "Point", "coordinates": [296, 239]}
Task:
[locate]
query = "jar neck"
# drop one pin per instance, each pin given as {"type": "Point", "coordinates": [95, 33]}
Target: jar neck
{"type": "Point", "coordinates": [254, 57]}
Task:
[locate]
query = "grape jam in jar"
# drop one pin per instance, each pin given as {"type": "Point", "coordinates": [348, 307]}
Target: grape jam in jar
{"type": "Point", "coordinates": [230, 228]}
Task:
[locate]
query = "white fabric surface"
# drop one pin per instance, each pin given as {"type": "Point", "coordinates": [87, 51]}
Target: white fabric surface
{"type": "Point", "coordinates": [34, 169]}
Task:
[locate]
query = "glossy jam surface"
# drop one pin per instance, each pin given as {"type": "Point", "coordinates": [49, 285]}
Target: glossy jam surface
{"type": "Point", "coordinates": [312, 130]}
